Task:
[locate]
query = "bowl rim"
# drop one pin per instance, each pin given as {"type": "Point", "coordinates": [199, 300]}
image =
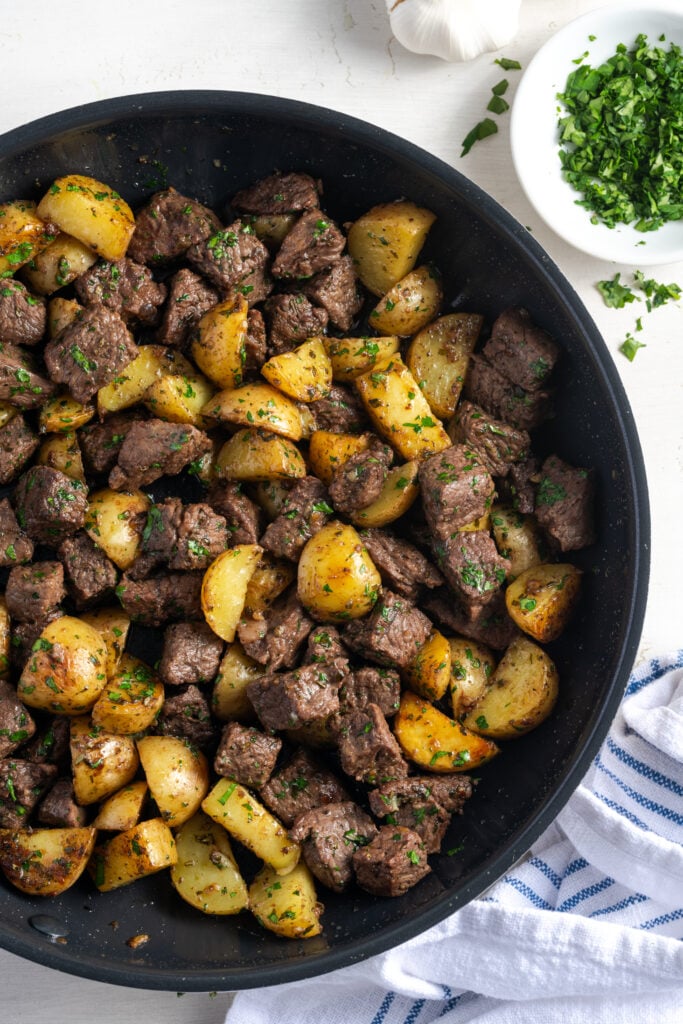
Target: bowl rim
{"type": "Point", "coordinates": [207, 103]}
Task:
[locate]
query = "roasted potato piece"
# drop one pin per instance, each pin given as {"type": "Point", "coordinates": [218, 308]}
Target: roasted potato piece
{"type": "Point", "coordinates": [271, 496]}
{"type": "Point", "coordinates": [224, 588]}
{"type": "Point", "coordinates": [438, 356]}
{"type": "Point", "coordinates": [542, 599]}
{"type": "Point", "coordinates": [206, 873]}
{"type": "Point", "coordinates": [60, 263]}
{"type": "Point", "coordinates": [45, 861]}
{"type": "Point", "coordinates": [143, 850]}
{"type": "Point", "coordinates": [386, 241]}
{"type": "Point", "coordinates": [218, 342]}
{"type": "Point", "coordinates": [112, 522]}
{"type": "Point", "coordinates": [305, 373]}
{"type": "Point", "coordinates": [63, 414]}
{"type": "Point", "coordinates": [287, 906]}
{"type": "Point", "coordinates": [101, 763]}
{"type": "Point", "coordinates": [259, 404]}
{"type": "Point", "coordinates": [399, 491]}
{"type": "Point", "coordinates": [5, 639]}
{"type": "Point", "coordinates": [429, 673]}
{"type": "Point", "coordinates": [409, 305]}
{"type": "Point", "coordinates": [91, 212]}
{"type": "Point", "coordinates": [400, 412]}
{"type": "Point", "coordinates": [132, 386]}
{"type": "Point", "coordinates": [472, 666]}
{"type": "Point", "coordinates": [241, 814]}
{"type": "Point", "coordinates": [352, 356]}
{"type": "Point", "coordinates": [122, 809]}
{"type": "Point", "coordinates": [336, 578]}
{"type": "Point", "coordinates": [112, 624]}
{"type": "Point", "coordinates": [180, 399]}
{"type": "Point", "coordinates": [66, 670]}
{"type": "Point", "coordinates": [7, 413]}
{"type": "Point", "coordinates": [272, 228]}
{"type": "Point", "coordinates": [63, 452]}
{"type": "Point", "coordinates": [436, 742]}
{"type": "Point", "coordinates": [177, 776]}
{"type": "Point", "coordinates": [131, 700]}
{"type": "Point", "coordinates": [23, 235]}
{"type": "Point", "coordinates": [259, 455]}
{"type": "Point", "coordinates": [236, 670]}
{"type": "Point", "coordinates": [328, 451]}
{"type": "Point", "coordinates": [517, 538]}
{"type": "Point", "coordinates": [270, 578]}
{"type": "Point", "coordinates": [61, 313]}
{"type": "Point", "coordinates": [521, 694]}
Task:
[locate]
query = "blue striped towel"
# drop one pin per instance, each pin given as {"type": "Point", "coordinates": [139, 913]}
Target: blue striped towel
{"type": "Point", "coordinates": [587, 928]}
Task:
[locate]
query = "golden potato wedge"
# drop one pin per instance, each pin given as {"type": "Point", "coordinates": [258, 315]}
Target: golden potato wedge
{"type": "Point", "coordinates": [409, 305]}
{"type": "Point", "coordinates": [436, 742]}
{"type": "Point", "coordinates": [5, 639]}
{"type": "Point", "coordinates": [327, 451]}
{"type": "Point", "coordinates": [177, 776]}
{"type": "Point", "coordinates": [143, 850]}
{"type": "Point", "coordinates": [271, 228]}
{"type": "Point", "coordinates": [61, 313]}
{"type": "Point", "coordinates": [521, 694]}
{"type": "Point", "coordinates": [542, 599]}
{"type": "Point", "coordinates": [229, 699]}
{"type": "Point", "coordinates": [517, 538]}
{"type": "Point", "coordinates": [131, 387]}
{"type": "Point", "coordinates": [23, 235]}
{"type": "Point", "coordinates": [399, 491]}
{"type": "Point", "coordinates": [224, 588]}
{"type": "Point", "coordinates": [60, 263]}
{"type": "Point", "coordinates": [206, 873]}
{"type": "Point", "coordinates": [256, 404]}
{"type": "Point", "coordinates": [259, 455]}
{"type": "Point", "coordinates": [385, 242]}
{"type": "Point", "coordinates": [66, 670]}
{"type": "Point", "coordinates": [304, 374]}
{"type": "Point", "coordinates": [180, 399]}
{"type": "Point", "coordinates": [319, 734]}
{"type": "Point", "coordinates": [286, 905]}
{"type": "Point", "coordinates": [271, 495]}
{"type": "Point", "coordinates": [62, 452]}
{"type": "Point", "coordinates": [101, 763]}
{"type": "Point", "coordinates": [7, 413]}
{"type": "Point", "coordinates": [472, 666]}
{"type": "Point", "coordinates": [112, 623]}
{"type": "Point", "coordinates": [352, 356]}
{"type": "Point", "coordinates": [131, 699]}
{"type": "Point", "coordinates": [112, 522]}
{"type": "Point", "coordinates": [45, 861]}
{"type": "Point", "coordinates": [245, 818]}
{"type": "Point", "coordinates": [122, 810]}
{"type": "Point", "coordinates": [336, 578]}
{"type": "Point", "coordinates": [219, 340]}
{"type": "Point", "coordinates": [429, 673]}
{"type": "Point", "coordinates": [62, 414]}
{"type": "Point", "coordinates": [438, 357]}
{"type": "Point", "coordinates": [400, 412]}
{"type": "Point", "coordinates": [91, 212]}
{"type": "Point", "coordinates": [270, 578]}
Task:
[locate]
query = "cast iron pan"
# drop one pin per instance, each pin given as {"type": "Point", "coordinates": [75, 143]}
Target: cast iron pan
{"type": "Point", "coordinates": [208, 145]}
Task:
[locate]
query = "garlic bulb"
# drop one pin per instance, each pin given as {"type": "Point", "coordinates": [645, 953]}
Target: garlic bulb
{"type": "Point", "coordinates": [455, 30]}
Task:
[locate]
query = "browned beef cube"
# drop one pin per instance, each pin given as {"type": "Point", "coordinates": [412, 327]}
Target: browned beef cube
{"type": "Point", "coordinates": [49, 505]}
{"type": "Point", "coordinates": [324, 646]}
{"type": "Point", "coordinates": [91, 576]}
{"type": "Point", "coordinates": [242, 515]}
{"type": "Point", "coordinates": [330, 836]}
{"type": "Point", "coordinates": [246, 754]}
{"type": "Point", "coordinates": [520, 486]}
{"type": "Point", "coordinates": [336, 290]}
{"type": "Point", "coordinates": [456, 489]}
{"type": "Point", "coordinates": [496, 444]}
{"type": "Point", "coordinates": [314, 243]}
{"type": "Point", "coordinates": [288, 700]}
{"type": "Point", "coordinates": [564, 503]}
{"type": "Point", "coordinates": [22, 783]}
{"type": "Point", "coordinates": [59, 809]}
{"type": "Point", "coordinates": [486, 386]}
{"type": "Point", "coordinates": [392, 863]}
{"type": "Point", "coordinates": [305, 511]}
{"type": "Point", "coordinates": [359, 481]}
{"type": "Point", "coordinates": [168, 225]}
{"type": "Point", "coordinates": [34, 591]}
{"type": "Point", "coordinates": [400, 564]}
{"type": "Point", "coordinates": [423, 804]}
{"type": "Point", "coordinates": [189, 297]}
{"type": "Point", "coordinates": [368, 750]}
{"type": "Point", "coordinates": [256, 283]}
{"type": "Point", "coordinates": [158, 537]}
{"type": "Point", "coordinates": [17, 444]}
{"type": "Point", "coordinates": [16, 724]}
{"type": "Point", "coordinates": [521, 351]}
{"type": "Point", "coordinates": [22, 315]}
{"type": "Point", "coordinates": [368, 685]}
{"type": "Point", "coordinates": [160, 599]}
{"type": "Point", "coordinates": [202, 536]}
{"type": "Point", "coordinates": [279, 193]}
{"type": "Point", "coordinates": [20, 385]}
{"type": "Point", "coordinates": [276, 639]}
{"type": "Point", "coordinates": [15, 547]}
{"type": "Point", "coordinates": [51, 744]}
{"type": "Point", "coordinates": [155, 448]}
{"type": "Point", "coordinates": [187, 716]}
{"type": "Point", "coordinates": [90, 352]}
{"type": "Point", "coordinates": [291, 319]}
{"type": "Point", "coordinates": [256, 342]}
{"type": "Point", "coordinates": [24, 636]}
{"type": "Point", "coordinates": [340, 412]}
{"type": "Point", "coordinates": [100, 442]}
{"type": "Point", "coordinates": [124, 286]}
{"type": "Point", "coordinates": [391, 634]}
{"type": "Point", "coordinates": [191, 654]}
{"type": "Point", "coordinates": [472, 566]}
{"type": "Point", "coordinates": [304, 783]}
{"type": "Point", "coordinates": [491, 626]}
{"type": "Point", "coordinates": [218, 258]}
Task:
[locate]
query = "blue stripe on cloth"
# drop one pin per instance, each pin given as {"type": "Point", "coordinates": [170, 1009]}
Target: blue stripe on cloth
{"type": "Point", "coordinates": [546, 871]}
{"type": "Point", "coordinates": [576, 865]}
{"type": "Point", "coordinates": [643, 801]}
{"type": "Point", "coordinates": [528, 892]}
{"type": "Point", "coordinates": [628, 901]}
{"type": "Point", "coordinates": [658, 670]}
{"type": "Point", "coordinates": [643, 769]}
{"type": "Point", "coordinates": [381, 1014]}
{"type": "Point", "coordinates": [584, 894]}
{"type": "Point", "coordinates": [415, 1011]}
{"type": "Point", "coordinates": [673, 915]}
{"type": "Point", "coordinates": [614, 806]}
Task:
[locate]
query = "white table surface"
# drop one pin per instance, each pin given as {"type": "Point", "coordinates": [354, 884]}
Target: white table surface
{"type": "Point", "coordinates": [339, 54]}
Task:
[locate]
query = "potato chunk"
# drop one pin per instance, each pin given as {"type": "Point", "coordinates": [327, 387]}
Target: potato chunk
{"type": "Point", "coordinates": [206, 873]}
{"type": "Point", "coordinates": [245, 818]}
{"type": "Point", "coordinates": [542, 599]}
{"type": "Point", "coordinates": [45, 861]}
{"type": "Point", "coordinates": [386, 241]}
{"type": "Point", "coordinates": [287, 906]}
{"type": "Point", "coordinates": [410, 305]}
{"type": "Point", "coordinates": [305, 373]}
{"type": "Point", "coordinates": [140, 851]}
{"type": "Point", "coordinates": [436, 742]}
{"type": "Point", "coordinates": [438, 356]}
{"type": "Point", "coordinates": [224, 588]}
{"type": "Point", "coordinates": [177, 775]}
{"type": "Point", "coordinates": [337, 580]}
{"type": "Point", "coordinates": [66, 670]}
{"type": "Point", "coordinates": [91, 212]}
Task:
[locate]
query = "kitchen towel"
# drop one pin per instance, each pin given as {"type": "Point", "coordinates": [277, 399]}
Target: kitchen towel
{"type": "Point", "coordinates": [587, 928]}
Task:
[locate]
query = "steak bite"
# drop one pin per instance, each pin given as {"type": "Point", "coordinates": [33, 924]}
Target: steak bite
{"type": "Point", "coordinates": [392, 863]}
{"type": "Point", "coordinates": [487, 623]}
{"type": "Point", "coordinates": [305, 511]}
{"type": "Point", "coordinates": [155, 601]}
{"type": "Point", "coordinates": [496, 444]}
{"type": "Point", "coordinates": [275, 640]}
{"type": "Point", "coordinates": [521, 351]}
{"type": "Point", "coordinates": [22, 784]}
{"type": "Point", "coordinates": [51, 744]}
{"type": "Point", "coordinates": [456, 489]}
{"type": "Point", "coordinates": [246, 755]}
{"type": "Point", "coordinates": [487, 387]}
{"type": "Point", "coordinates": [100, 442]}
{"type": "Point", "coordinates": [187, 716]}
{"type": "Point", "coordinates": [336, 290]}
{"type": "Point", "coordinates": [49, 505]}
{"type": "Point", "coordinates": [154, 448]}
{"type": "Point", "coordinates": [359, 481]}
{"type": "Point", "coordinates": [473, 567]}
{"type": "Point", "coordinates": [23, 317]}
{"type": "Point", "coordinates": [291, 319]}
{"type": "Point", "coordinates": [20, 385]}
{"type": "Point", "coordinates": [564, 504]}
{"type": "Point", "coordinates": [401, 565]}
{"type": "Point", "coordinates": [59, 809]}
{"type": "Point", "coordinates": [391, 634]}
{"type": "Point", "coordinates": [90, 352]}
{"type": "Point", "coordinates": [168, 225]}
{"type": "Point", "coordinates": [242, 515]}
{"type": "Point", "coordinates": [290, 699]}
{"type": "Point", "coordinates": [158, 536]}
{"type": "Point", "coordinates": [202, 536]}
{"type": "Point", "coordinates": [125, 287]}
{"type": "Point", "coordinates": [329, 837]}
{"type": "Point", "coordinates": [191, 654]}
{"type": "Point", "coordinates": [304, 783]}
{"type": "Point", "coordinates": [422, 803]}
{"type": "Point", "coordinates": [218, 258]}
{"type": "Point", "coordinates": [17, 444]}
{"type": "Point", "coordinates": [314, 243]}
{"type": "Point", "coordinates": [255, 342]}
{"type": "Point", "coordinates": [34, 591]}
{"type": "Point", "coordinates": [520, 485]}
{"type": "Point", "coordinates": [279, 193]}
{"type": "Point", "coordinates": [368, 685]}
{"type": "Point", "coordinates": [189, 297]}
{"type": "Point", "coordinates": [341, 411]}
{"type": "Point", "coordinates": [16, 724]}
{"type": "Point", "coordinates": [15, 547]}
{"type": "Point", "coordinates": [91, 576]}
{"type": "Point", "coordinates": [368, 750]}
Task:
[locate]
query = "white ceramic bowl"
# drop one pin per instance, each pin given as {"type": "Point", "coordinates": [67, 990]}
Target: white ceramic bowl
{"type": "Point", "coordinates": [534, 132]}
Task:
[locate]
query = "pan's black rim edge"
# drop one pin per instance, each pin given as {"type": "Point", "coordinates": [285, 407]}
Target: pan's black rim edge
{"type": "Point", "coordinates": [204, 102]}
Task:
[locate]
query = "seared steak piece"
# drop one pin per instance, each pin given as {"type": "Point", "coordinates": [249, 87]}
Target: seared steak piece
{"type": "Point", "coordinates": [59, 809]}
{"type": "Point", "coordinates": [521, 351]}
{"type": "Point", "coordinates": [100, 442]}
{"type": "Point", "coordinates": [341, 411]}
{"type": "Point", "coordinates": [359, 481]}
{"type": "Point", "coordinates": [20, 385]}
{"type": "Point", "coordinates": [202, 536]}
{"type": "Point", "coordinates": [24, 636]}
{"type": "Point", "coordinates": [23, 317]}
{"type": "Point", "coordinates": [124, 286]}
{"type": "Point", "coordinates": [256, 283]}
{"type": "Point", "coordinates": [16, 724]}
{"type": "Point", "coordinates": [490, 624]}
{"type": "Point", "coordinates": [51, 744]}
{"type": "Point", "coordinates": [17, 444]}
{"type": "Point", "coordinates": [22, 784]}
{"type": "Point", "coordinates": [90, 352]}
{"type": "Point", "coordinates": [256, 342]}
{"type": "Point", "coordinates": [368, 750]}
{"type": "Point", "coordinates": [15, 547]}
{"type": "Point", "coordinates": [168, 225]}
{"type": "Point", "coordinates": [246, 755]}
{"type": "Point", "coordinates": [34, 591]}
{"type": "Point", "coordinates": [243, 516]}
{"type": "Point", "coordinates": [363, 686]}
{"type": "Point", "coordinates": [288, 700]}
{"type": "Point", "coordinates": [392, 863]}
{"type": "Point", "coordinates": [472, 566]}
{"type": "Point", "coordinates": [49, 505]}
{"type": "Point", "coordinates": [496, 444]}
{"type": "Point", "coordinates": [314, 243]}
{"type": "Point", "coordinates": [391, 634]}
{"type": "Point", "coordinates": [191, 654]}
{"type": "Point", "coordinates": [160, 599]}
{"type": "Point", "coordinates": [325, 647]}
{"type": "Point", "coordinates": [155, 448]}
{"type": "Point", "coordinates": [336, 290]}
{"type": "Point", "coordinates": [330, 836]}
{"type": "Point", "coordinates": [520, 485]}
{"type": "Point", "coordinates": [189, 297]}
{"type": "Point", "coordinates": [187, 716]}
{"type": "Point", "coordinates": [305, 511]}
{"type": "Point", "coordinates": [233, 259]}
{"type": "Point", "coordinates": [91, 576]}
{"type": "Point", "coordinates": [456, 489]}
{"type": "Point", "coordinates": [423, 804]}
{"type": "Point", "coordinates": [291, 319]}
{"type": "Point", "coordinates": [158, 535]}
{"type": "Point", "coordinates": [275, 640]}
{"type": "Point", "coordinates": [564, 504]}
{"type": "Point", "coordinates": [401, 565]}
{"type": "Point", "coordinates": [486, 386]}
{"type": "Point", "coordinates": [279, 193]}
{"type": "Point", "coordinates": [304, 783]}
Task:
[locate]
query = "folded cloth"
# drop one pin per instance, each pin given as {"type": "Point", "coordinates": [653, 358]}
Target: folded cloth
{"type": "Point", "coordinates": [587, 928]}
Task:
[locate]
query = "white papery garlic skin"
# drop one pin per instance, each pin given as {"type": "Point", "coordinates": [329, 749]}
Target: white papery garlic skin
{"type": "Point", "coordinates": [455, 30]}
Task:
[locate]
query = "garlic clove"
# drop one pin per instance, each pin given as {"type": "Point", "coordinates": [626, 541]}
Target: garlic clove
{"type": "Point", "coordinates": [455, 30]}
